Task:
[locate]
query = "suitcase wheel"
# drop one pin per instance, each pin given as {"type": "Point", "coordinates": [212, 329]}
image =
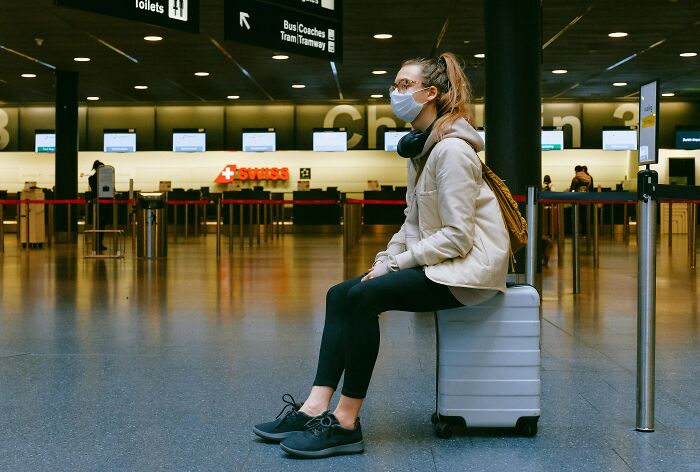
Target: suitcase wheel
{"type": "Point", "coordinates": [434, 418]}
{"type": "Point", "coordinates": [443, 430]}
{"type": "Point", "coordinates": [527, 426]}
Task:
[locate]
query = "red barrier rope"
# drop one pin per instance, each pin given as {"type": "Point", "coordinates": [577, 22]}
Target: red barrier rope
{"type": "Point", "coordinates": [354, 201]}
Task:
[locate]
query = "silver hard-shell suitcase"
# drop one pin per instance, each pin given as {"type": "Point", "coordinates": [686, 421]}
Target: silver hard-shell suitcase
{"type": "Point", "coordinates": [488, 363]}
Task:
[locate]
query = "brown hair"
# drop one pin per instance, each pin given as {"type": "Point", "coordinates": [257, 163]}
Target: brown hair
{"type": "Point", "coordinates": [446, 73]}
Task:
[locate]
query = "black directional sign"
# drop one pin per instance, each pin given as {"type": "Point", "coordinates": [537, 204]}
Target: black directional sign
{"type": "Point", "coordinates": [284, 29]}
{"type": "Point", "coordinates": [326, 8]}
{"type": "Point", "coordinates": [176, 14]}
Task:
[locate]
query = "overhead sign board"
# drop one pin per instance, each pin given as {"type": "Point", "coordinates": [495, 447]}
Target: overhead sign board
{"type": "Point", "coordinates": [176, 14]}
{"type": "Point", "coordinates": [332, 9]}
{"type": "Point", "coordinates": [284, 29]}
{"type": "Point", "coordinates": [649, 123]}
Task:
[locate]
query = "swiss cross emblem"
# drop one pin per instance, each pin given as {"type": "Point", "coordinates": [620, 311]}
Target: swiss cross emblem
{"type": "Point", "coordinates": [226, 175]}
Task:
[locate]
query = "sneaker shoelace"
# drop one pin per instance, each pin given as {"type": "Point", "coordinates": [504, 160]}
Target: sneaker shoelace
{"type": "Point", "coordinates": [289, 403]}
{"type": "Point", "coordinates": [319, 424]}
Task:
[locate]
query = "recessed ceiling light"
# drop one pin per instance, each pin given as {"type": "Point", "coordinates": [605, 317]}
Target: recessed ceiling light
{"type": "Point", "coordinates": [377, 95]}
{"type": "Point", "coordinates": [233, 97]}
{"type": "Point", "coordinates": [383, 36]}
{"type": "Point", "coordinates": [466, 41]}
{"type": "Point", "coordinates": [29, 76]}
{"type": "Point", "coordinates": [93, 99]}
{"type": "Point", "coordinates": [280, 57]}
{"type": "Point", "coordinates": [480, 55]}
{"type": "Point", "coordinates": [668, 94]}
{"type": "Point", "coordinates": [298, 86]}
{"type": "Point", "coordinates": [688, 54]}
{"type": "Point", "coordinates": [559, 71]}
{"type": "Point", "coordinates": [618, 34]}
{"type": "Point", "coordinates": [140, 87]}
{"type": "Point", "coordinates": [81, 59]}
{"type": "Point", "coordinates": [379, 72]}
{"type": "Point", "coordinates": [201, 74]}
{"type": "Point", "coordinates": [619, 84]}
{"type": "Point", "coordinates": [153, 38]}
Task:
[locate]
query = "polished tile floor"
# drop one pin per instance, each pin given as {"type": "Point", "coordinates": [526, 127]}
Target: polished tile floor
{"type": "Point", "coordinates": [136, 365]}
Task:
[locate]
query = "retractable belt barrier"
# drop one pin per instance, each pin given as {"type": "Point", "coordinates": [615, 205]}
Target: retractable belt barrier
{"type": "Point", "coordinates": [352, 216]}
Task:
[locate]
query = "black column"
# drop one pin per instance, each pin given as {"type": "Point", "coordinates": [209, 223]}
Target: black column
{"type": "Point", "coordinates": [66, 152]}
{"type": "Point", "coordinates": [513, 99]}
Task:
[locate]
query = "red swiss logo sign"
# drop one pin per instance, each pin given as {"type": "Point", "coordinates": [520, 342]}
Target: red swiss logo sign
{"type": "Point", "coordinates": [231, 172]}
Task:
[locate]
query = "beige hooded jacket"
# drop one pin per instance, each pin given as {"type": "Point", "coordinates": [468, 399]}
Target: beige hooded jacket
{"type": "Point", "coordinates": [453, 225]}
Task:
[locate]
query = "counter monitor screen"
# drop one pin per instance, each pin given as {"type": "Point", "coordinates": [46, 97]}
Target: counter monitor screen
{"type": "Point", "coordinates": [120, 140]}
{"type": "Point", "coordinates": [392, 137]}
{"type": "Point", "coordinates": [552, 140]}
{"type": "Point", "coordinates": [259, 140]}
{"type": "Point", "coordinates": [688, 139]}
{"type": "Point", "coordinates": [330, 141]}
{"type": "Point", "coordinates": [189, 140]}
{"type": "Point", "coordinates": [619, 139]}
{"type": "Point", "coordinates": [45, 140]}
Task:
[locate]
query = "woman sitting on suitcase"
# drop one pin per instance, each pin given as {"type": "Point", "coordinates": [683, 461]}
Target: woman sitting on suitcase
{"type": "Point", "coordinates": [452, 250]}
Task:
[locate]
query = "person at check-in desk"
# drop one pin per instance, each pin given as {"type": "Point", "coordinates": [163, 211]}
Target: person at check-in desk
{"type": "Point", "coordinates": [452, 250]}
{"type": "Point", "coordinates": [103, 213]}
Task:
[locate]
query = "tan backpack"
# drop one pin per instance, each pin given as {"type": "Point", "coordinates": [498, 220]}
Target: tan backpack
{"type": "Point", "coordinates": [514, 221]}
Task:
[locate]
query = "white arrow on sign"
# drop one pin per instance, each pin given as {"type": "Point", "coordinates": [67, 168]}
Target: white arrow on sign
{"type": "Point", "coordinates": [243, 19]}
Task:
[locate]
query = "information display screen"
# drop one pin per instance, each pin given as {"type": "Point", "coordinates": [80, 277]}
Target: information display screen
{"type": "Point", "coordinates": [392, 137]}
{"type": "Point", "coordinates": [45, 140]}
{"type": "Point", "coordinates": [189, 140]}
{"type": "Point", "coordinates": [330, 141]}
{"type": "Point", "coordinates": [619, 140]}
{"type": "Point", "coordinates": [688, 139]}
{"type": "Point", "coordinates": [259, 140]}
{"type": "Point", "coordinates": [119, 140]}
{"type": "Point", "coordinates": [552, 140]}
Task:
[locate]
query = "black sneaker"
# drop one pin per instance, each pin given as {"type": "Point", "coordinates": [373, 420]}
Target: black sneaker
{"type": "Point", "coordinates": [292, 422]}
{"type": "Point", "coordinates": [324, 438]}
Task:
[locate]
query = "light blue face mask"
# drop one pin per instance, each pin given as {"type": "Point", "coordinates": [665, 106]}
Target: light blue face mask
{"type": "Point", "coordinates": [404, 106]}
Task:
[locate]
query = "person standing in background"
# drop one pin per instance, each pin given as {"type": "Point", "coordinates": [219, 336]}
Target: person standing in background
{"type": "Point", "coordinates": [581, 181]}
{"type": "Point", "coordinates": [101, 224]}
{"type": "Point", "coordinates": [591, 187]}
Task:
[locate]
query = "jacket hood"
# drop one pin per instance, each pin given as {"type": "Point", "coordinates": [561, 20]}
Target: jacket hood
{"type": "Point", "coordinates": [460, 129]}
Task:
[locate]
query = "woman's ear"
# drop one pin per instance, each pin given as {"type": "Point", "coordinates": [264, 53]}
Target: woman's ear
{"type": "Point", "coordinates": [432, 93]}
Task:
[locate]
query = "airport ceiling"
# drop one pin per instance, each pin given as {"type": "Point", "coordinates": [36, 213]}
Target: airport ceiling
{"type": "Point", "coordinates": [575, 38]}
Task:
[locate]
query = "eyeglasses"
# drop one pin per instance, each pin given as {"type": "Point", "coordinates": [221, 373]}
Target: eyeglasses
{"type": "Point", "coordinates": [403, 85]}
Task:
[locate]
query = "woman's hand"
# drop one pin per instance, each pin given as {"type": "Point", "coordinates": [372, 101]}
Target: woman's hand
{"type": "Point", "coordinates": [380, 267]}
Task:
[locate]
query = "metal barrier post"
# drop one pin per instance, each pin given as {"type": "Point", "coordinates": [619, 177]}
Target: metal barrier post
{"type": "Point", "coordinates": [346, 250]}
{"type": "Point", "coordinates": [670, 224]}
{"type": "Point", "coordinates": [70, 226]}
{"type": "Point", "coordinates": [692, 216]}
{"type": "Point", "coordinates": [575, 244]}
{"type": "Point", "coordinates": [187, 220]}
{"type": "Point", "coordinates": [626, 223]}
{"type": "Point", "coordinates": [250, 225]}
{"type": "Point", "coordinates": [204, 219]}
{"type": "Point", "coordinates": [50, 229]}
{"type": "Point", "coordinates": [595, 234]}
{"type": "Point", "coordinates": [17, 226]}
{"type": "Point", "coordinates": [257, 224]}
{"type": "Point", "coordinates": [174, 207]}
{"type": "Point", "coordinates": [646, 302]}
{"type": "Point", "coordinates": [560, 234]}
{"type": "Point", "coordinates": [588, 227]}
{"type": "Point", "coordinates": [612, 220]}
{"type": "Point", "coordinates": [230, 228]}
{"type": "Point", "coordinates": [114, 213]}
{"type": "Point", "coordinates": [26, 202]}
{"type": "Point", "coordinates": [532, 240]}
{"type": "Point", "coordinates": [196, 220]}
{"type": "Point", "coordinates": [240, 224]}
{"type": "Point", "coordinates": [218, 228]}
{"type": "Point", "coordinates": [265, 223]}
{"type": "Point", "coordinates": [2, 227]}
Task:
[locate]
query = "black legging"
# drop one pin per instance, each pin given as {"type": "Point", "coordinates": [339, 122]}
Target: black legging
{"type": "Point", "coordinates": [350, 339]}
